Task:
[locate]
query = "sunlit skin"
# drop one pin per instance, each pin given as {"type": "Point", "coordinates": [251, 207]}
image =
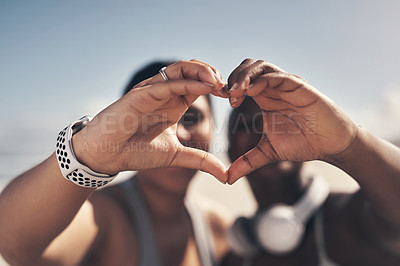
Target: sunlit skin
{"type": "Point", "coordinates": [70, 225]}
{"type": "Point", "coordinates": [274, 130]}
{"type": "Point", "coordinates": [276, 182]}
{"type": "Point", "coordinates": [194, 130]}
{"type": "Point", "coordinates": [164, 190]}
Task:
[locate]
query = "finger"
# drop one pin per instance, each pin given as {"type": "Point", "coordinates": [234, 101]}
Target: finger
{"type": "Point", "coordinates": [236, 90]}
{"type": "Point", "coordinates": [273, 81]}
{"type": "Point", "coordinates": [223, 92]}
{"type": "Point", "coordinates": [236, 101]}
{"type": "Point", "coordinates": [233, 76]}
{"type": "Point", "coordinates": [196, 70]}
{"type": "Point", "coordinates": [252, 160]}
{"type": "Point", "coordinates": [245, 76]}
{"type": "Point", "coordinates": [216, 71]}
{"type": "Point", "coordinates": [262, 84]}
{"type": "Point", "coordinates": [220, 93]}
{"type": "Point", "coordinates": [270, 103]}
{"type": "Point", "coordinates": [284, 86]}
{"type": "Point", "coordinates": [148, 98]}
{"type": "Point", "coordinates": [250, 74]}
{"type": "Point", "coordinates": [188, 70]}
{"type": "Point", "coordinates": [167, 90]}
{"type": "Point", "coordinates": [198, 159]}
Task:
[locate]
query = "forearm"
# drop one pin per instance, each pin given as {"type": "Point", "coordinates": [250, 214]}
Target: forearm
{"type": "Point", "coordinates": [35, 208]}
{"type": "Point", "coordinates": [375, 165]}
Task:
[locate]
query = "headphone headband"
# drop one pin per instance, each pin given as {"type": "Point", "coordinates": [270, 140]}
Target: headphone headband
{"type": "Point", "coordinates": [316, 194]}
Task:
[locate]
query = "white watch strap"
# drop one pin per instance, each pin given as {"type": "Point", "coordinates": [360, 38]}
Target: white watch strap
{"type": "Point", "coordinates": [70, 167]}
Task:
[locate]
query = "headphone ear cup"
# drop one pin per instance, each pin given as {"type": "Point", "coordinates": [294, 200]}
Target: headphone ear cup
{"type": "Point", "coordinates": [278, 229]}
{"type": "Point", "coordinates": [242, 239]}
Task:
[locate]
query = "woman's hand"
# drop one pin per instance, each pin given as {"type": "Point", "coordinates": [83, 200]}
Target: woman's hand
{"type": "Point", "coordinates": [299, 123]}
{"type": "Point", "coordinates": [139, 130]}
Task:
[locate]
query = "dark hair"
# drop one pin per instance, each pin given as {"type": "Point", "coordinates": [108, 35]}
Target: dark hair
{"type": "Point", "coordinates": [150, 70]}
{"type": "Point", "coordinates": [247, 103]}
{"type": "Point", "coordinates": [146, 72]}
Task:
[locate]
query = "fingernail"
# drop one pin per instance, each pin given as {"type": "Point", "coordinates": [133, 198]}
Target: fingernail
{"type": "Point", "coordinates": [234, 87]}
{"type": "Point", "coordinates": [233, 101]}
{"type": "Point", "coordinates": [250, 86]}
{"type": "Point", "coordinates": [219, 78]}
{"type": "Point", "coordinates": [209, 84]}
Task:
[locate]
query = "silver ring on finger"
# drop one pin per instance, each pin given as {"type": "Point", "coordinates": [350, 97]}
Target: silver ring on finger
{"type": "Point", "coordinates": [165, 77]}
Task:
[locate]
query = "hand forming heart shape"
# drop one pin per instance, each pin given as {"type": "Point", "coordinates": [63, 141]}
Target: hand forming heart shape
{"type": "Point", "coordinates": [299, 123]}
{"type": "Point", "coordinates": [139, 130]}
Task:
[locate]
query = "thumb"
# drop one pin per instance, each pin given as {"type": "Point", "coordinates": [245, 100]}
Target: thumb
{"type": "Point", "coordinates": [198, 159]}
{"type": "Point", "coordinates": [252, 160]}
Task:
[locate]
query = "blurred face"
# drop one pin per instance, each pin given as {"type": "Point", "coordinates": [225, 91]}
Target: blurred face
{"type": "Point", "coordinates": [193, 130]}
{"type": "Point", "coordinates": [245, 134]}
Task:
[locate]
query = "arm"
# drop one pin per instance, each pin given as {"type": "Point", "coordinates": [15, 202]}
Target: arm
{"type": "Point", "coordinates": [375, 165]}
{"type": "Point", "coordinates": [302, 124]}
{"type": "Point", "coordinates": [38, 205]}
{"type": "Point", "coordinates": [34, 209]}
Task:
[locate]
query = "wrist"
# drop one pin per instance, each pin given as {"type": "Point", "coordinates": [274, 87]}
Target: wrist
{"type": "Point", "coordinates": [351, 151]}
{"type": "Point", "coordinates": [86, 153]}
{"type": "Point", "coordinates": [81, 150]}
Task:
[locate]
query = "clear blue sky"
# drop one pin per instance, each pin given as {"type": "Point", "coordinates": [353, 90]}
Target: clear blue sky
{"type": "Point", "coordinates": [62, 59]}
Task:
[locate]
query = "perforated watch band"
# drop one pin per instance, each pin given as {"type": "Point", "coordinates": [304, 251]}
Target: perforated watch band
{"type": "Point", "coordinates": [70, 167]}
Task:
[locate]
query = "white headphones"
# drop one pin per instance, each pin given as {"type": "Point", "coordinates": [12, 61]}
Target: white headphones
{"type": "Point", "coordinates": [280, 229]}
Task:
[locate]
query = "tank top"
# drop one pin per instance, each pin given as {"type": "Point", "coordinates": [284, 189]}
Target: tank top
{"type": "Point", "coordinates": [138, 213]}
